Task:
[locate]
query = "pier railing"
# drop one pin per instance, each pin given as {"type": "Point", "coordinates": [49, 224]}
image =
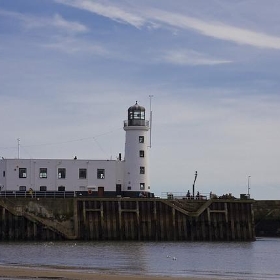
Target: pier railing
{"type": "Point", "coordinates": [183, 195]}
{"type": "Point", "coordinates": [38, 194]}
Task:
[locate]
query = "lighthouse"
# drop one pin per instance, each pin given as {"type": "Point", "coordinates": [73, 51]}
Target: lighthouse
{"type": "Point", "coordinates": [136, 166]}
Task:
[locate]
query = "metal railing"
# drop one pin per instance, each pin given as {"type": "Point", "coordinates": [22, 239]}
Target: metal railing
{"type": "Point", "coordinates": [136, 123]}
{"type": "Point", "coordinates": [38, 194]}
{"type": "Point", "coordinates": [183, 195]}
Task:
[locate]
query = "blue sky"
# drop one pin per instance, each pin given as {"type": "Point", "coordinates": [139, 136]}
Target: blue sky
{"type": "Point", "coordinates": [69, 69]}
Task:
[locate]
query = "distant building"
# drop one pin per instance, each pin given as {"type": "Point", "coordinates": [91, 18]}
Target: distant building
{"type": "Point", "coordinates": [128, 177]}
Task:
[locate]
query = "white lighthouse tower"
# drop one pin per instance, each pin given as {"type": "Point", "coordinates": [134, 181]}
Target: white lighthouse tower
{"type": "Point", "coordinates": [136, 168]}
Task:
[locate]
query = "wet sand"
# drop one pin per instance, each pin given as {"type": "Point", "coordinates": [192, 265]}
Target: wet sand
{"type": "Point", "coordinates": [55, 273]}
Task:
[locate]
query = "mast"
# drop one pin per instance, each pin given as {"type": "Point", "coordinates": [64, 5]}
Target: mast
{"type": "Point", "coordinates": [151, 118]}
{"type": "Point", "coordinates": [18, 147]}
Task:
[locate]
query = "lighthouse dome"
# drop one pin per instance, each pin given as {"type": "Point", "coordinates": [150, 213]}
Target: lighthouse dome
{"type": "Point", "coordinates": [136, 107]}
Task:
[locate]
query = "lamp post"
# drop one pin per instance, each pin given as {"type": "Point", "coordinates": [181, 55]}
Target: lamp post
{"type": "Point", "coordinates": [195, 176]}
{"type": "Point", "coordinates": [249, 186]}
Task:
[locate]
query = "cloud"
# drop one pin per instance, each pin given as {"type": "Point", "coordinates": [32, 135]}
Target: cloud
{"type": "Point", "coordinates": [75, 46]}
{"type": "Point", "coordinates": [217, 30]}
{"type": "Point", "coordinates": [108, 11]}
{"type": "Point", "coordinates": [140, 17]}
{"type": "Point", "coordinates": [60, 22]}
{"type": "Point", "coordinates": [57, 22]}
{"type": "Point", "coordinates": [190, 57]}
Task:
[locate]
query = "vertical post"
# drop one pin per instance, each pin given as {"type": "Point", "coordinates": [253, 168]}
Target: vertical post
{"type": "Point", "coordinates": [195, 176]}
{"type": "Point", "coordinates": [155, 220]}
{"type": "Point", "coordinates": [120, 219]}
{"type": "Point", "coordinates": [18, 148]}
{"type": "Point", "coordinates": [174, 224]}
{"type": "Point", "coordinates": [151, 116]}
{"type": "Point", "coordinates": [84, 212]}
{"type": "Point", "coordinates": [4, 223]}
{"type": "Point", "coordinates": [249, 186]}
{"type": "Point", "coordinates": [102, 218]}
{"type": "Point", "coordinates": [138, 220]}
{"type": "Point", "coordinates": [252, 222]}
{"type": "Point", "coordinates": [76, 219]}
{"type": "Point", "coordinates": [209, 224]}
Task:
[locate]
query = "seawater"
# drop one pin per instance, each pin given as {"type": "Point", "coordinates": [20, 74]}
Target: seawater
{"type": "Point", "coordinates": [224, 260]}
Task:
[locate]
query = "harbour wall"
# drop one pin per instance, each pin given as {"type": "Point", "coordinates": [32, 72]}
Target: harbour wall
{"type": "Point", "coordinates": [143, 219]}
{"type": "Point", "coordinates": [267, 218]}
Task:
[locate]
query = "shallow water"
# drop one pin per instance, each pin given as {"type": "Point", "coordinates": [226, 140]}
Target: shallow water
{"type": "Point", "coordinates": [232, 260]}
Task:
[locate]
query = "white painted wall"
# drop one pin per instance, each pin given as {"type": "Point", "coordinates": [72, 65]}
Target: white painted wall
{"type": "Point", "coordinates": [114, 170]}
{"type": "Point", "coordinates": [133, 161]}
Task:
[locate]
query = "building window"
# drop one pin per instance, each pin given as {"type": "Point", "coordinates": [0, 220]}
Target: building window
{"type": "Point", "coordinates": [129, 188]}
{"type": "Point", "coordinates": [142, 186]}
{"type": "Point", "coordinates": [100, 173]}
{"type": "Point", "coordinates": [61, 173]}
{"type": "Point", "coordinates": [82, 188]}
{"type": "Point", "coordinates": [43, 173]}
{"type": "Point", "coordinates": [22, 188]}
{"type": "Point", "coordinates": [22, 172]}
{"type": "Point", "coordinates": [142, 169]}
{"type": "Point", "coordinates": [4, 173]}
{"type": "Point", "coordinates": [141, 139]}
{"type": "Point", "coordinates": [43, 188]}
{"type": "Point", "coordinates": [61, 189]}
{"type": "Point", "coordinates": [141, 153]}
{"type": "Point", "coordinates": [82, 173]}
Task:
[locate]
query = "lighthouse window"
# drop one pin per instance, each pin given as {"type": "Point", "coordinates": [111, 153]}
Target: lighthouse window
{"type": "Point", "coordinates": [141, 153]}
{"type": "Point", "coordinates": [142, 169]}
{"type": "Point", "coordinates": [137, 115]}
{"type": "Point", "coordinates": [61, 173]}
{"type": "Point", "coordinates": [142, 186]}
{"type": "Point", "coordinates": [43, 173]}
{"type": "Point", "coordinates": [82, 173]}
{"type": "Point", "coordinates": [100, 173]}
{"type": "Point", "coordinates": [141, 139]}
{"type": "Point", "coordinates": [22, 172]}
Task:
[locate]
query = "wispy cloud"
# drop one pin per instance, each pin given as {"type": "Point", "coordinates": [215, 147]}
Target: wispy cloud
{"type": "Point", "coordinates": [57, 22]}
{"type": "Point", "coordinates": [217, 30]}
{"type": "Point", "coordinates": [190, 57]}
{"type": "Point", "coordinates": [155, 17]}
{"type": "Point", "coordinates": [60, 22]}
{"type": "Point", "coordinates": [75, 46]}
{"type": "Point", "coordinates": [109, 11]}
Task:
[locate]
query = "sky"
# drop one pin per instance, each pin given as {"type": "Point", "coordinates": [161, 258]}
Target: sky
{"type": "Point", "coordinates": [69, 70]}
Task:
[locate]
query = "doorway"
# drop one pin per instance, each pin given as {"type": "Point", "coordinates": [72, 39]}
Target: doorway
{"type": "Point", "coordinates": [118, 189]}
{"type": "Point", "coordinates": [100, 191]}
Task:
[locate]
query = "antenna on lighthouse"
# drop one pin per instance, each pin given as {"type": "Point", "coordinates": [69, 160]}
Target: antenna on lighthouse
{"type": "Point", "coordinates": [18, 147]}
{"type": "Point", "coordinates": [151, 118]}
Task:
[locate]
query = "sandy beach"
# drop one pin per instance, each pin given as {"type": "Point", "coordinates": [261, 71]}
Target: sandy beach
{"type": "Point", "coordinates": [30, 273]}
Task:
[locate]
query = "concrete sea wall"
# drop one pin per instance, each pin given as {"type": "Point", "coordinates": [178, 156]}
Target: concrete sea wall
{"type": "Point", "coordinates": [146, 219]}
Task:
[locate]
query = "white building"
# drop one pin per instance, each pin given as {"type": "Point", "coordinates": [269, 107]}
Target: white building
{"type": "Point", "coordinates": [128, 177]}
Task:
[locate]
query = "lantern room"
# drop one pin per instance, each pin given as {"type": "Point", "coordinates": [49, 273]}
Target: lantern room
{"type": "Point", "coordinates": [136, 115]}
